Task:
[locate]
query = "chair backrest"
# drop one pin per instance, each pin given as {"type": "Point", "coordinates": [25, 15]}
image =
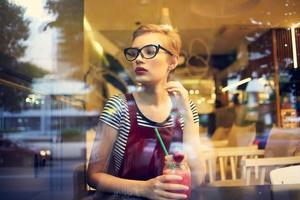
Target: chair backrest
{"type": "Point", "coordinates": [223, 164]}
{"type": "Point", "coordinates": [242, 135]}
{"type": "Point", "coordinates": [285, 175]}
{"type": "Point", "coordinates": [280, 151]}
{"type": "Point", "coordinates": [282, 142]}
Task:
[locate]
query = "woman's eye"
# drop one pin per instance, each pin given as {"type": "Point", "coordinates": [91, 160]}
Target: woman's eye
{"type": "Point", "coordinates": [150, 51]}
{"type": "Point", "coordinates": [132, 53]}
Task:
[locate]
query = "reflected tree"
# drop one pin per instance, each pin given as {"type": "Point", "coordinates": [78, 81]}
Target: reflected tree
{"type": "Point", "coordinates": [13, 30]}
{"type": "Point", "coordinates": [15, 76]}
{"type": "Point", "coordinates": [15, 84]}
{"type": "Point", "coordinates": [69, 20]}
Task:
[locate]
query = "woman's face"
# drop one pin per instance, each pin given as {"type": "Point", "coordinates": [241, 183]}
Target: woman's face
{"type": "Point", "coordinates": [156, 69]}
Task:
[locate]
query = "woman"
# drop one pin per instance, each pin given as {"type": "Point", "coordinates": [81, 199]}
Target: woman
{"type": "Point", "coordinates": [127, 157]}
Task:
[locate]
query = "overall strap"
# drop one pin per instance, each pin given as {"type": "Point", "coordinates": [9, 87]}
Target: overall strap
{"type": "Point", "coordinates": [132, 109]}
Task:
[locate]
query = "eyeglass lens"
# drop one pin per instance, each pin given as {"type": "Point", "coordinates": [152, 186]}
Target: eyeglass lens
{"type": "Point", "coordinates": [148, 51]}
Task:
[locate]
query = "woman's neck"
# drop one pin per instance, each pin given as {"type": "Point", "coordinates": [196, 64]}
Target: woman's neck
{"type": "Point", "coordinates": [153, 95]}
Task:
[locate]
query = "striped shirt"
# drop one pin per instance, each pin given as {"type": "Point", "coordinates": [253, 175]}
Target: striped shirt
{"type": "Point", "coordinates": [116, 115]}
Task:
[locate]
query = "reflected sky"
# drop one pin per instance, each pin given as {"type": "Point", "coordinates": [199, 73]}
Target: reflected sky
{"type": "Point", "coordinates": [41, 44]}
{"type": "Point", "coordinates": [60, 87]}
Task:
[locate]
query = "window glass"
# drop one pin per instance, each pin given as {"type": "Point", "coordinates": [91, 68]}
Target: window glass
{"type": "Point", "coordinates": [62, 60]}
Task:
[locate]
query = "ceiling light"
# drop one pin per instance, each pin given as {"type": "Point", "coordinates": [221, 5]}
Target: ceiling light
{"type": "Point", "coordinates": [236, 84]}
{"type": "Point", "coordinates": [165, 17]}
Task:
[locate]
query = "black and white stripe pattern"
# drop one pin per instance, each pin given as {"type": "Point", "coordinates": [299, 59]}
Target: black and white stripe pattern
{"type": "Point", "coordinates": [116, 114]}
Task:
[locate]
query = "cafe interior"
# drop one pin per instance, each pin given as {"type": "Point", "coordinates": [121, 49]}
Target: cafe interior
{"type": "Point", "coordinates": [239, 63]}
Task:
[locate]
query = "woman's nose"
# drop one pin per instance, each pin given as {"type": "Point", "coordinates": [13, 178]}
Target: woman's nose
{"type": "Point", "coordinates": [139, 59]}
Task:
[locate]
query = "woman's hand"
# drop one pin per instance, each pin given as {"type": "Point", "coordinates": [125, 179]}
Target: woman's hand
{"type": "Point", "coordinates": [181, 96]}
{"type": "Point", "coordinates": [159, 189]}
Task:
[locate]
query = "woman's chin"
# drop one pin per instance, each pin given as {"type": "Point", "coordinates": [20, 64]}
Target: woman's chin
{"type": "Point", "coordinates": [141, 80]}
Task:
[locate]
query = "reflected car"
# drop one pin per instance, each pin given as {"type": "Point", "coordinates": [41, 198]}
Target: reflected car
{"type": "Point", "coordinates": [45, 154]}
{"type": "Point", "coordinates": [19, 154]}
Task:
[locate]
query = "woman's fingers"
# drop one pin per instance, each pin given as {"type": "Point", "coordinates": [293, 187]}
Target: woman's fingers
{"type": "Point", "coordinates": [173, 187]}
{"type": "Point", "coordinates": [176, 88]}
{"type": "Point", "coordinates": [174, 91]}
{"type": "Point", "coordinates": [179, 87]}
{"type": "Point", "coordinates": [170, 195]}
{"type": "Point", "coordinates": [165, 183]}
{"type": "Point", "coordinates": [162, 188]}
{"type": "Point", "coordinates": [169, 177]}
{"type": "Point", "coordinates": [165, 188]}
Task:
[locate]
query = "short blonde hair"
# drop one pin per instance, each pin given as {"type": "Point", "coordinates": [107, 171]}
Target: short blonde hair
{"type": "Point", "coordinates": [173, 37]}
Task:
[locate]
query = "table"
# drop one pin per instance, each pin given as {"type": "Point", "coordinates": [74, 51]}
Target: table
{"type": "Point", "coordinates": [258, 192]}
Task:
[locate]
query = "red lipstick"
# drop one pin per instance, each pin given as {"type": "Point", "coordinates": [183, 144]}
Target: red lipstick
{"type": "Point", "coordinates": [140, 70]}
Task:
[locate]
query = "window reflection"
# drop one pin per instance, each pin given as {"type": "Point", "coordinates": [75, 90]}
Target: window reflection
{"type": "Point", "coordinates": [61, 60]}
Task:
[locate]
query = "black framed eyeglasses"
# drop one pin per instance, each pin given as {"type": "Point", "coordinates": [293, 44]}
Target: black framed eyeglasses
{"type": "Point", "coordinates": [149, 51]}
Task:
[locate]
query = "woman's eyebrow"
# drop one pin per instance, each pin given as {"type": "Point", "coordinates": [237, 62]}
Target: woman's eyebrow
{"type": "Point", "coordinates": [144, 45]}
{"type": "Point", "coordinates": [135, 47]}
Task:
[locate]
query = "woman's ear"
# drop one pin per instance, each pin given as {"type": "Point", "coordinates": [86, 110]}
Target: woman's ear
{"type": "Point", "coordinates": [173, 62]}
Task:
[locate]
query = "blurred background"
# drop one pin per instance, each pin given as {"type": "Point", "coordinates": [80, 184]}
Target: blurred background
{"type": "Point", "coordinates": [60, 60]}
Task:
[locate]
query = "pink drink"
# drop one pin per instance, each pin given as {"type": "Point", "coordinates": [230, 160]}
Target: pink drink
{"type": "Point", "coordinates": [180, 169]}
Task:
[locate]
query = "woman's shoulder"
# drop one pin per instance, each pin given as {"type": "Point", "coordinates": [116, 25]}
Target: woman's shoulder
{"type": "Point", "coordinates": [114, 110]}
{"type": "Point", "coordinates": [122, 98]}
{"type": "Point", "coordinates": [117, 99]}
{"type": "Point", "coordinates": [116, 103]}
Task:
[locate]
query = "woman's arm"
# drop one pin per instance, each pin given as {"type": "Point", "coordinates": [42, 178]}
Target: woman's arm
{"type": "Point", "coordinates": [191, 137]}
{"type": "Point", "coordinates": [99, 178]}
{"type": "Point", "coordinates": [191, 140]}
{"type": "Point", "coordinates": [99, 162]}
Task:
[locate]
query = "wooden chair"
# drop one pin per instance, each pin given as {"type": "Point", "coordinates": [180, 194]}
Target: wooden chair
{"type": "Point", "coordinates": [261, 165]}
{"type": "Point", "coordinates": [281, 150]}
{"type": "Point", "coordinates": [228, 153]}
{"type": "Point", "coordinates": [223, 173]}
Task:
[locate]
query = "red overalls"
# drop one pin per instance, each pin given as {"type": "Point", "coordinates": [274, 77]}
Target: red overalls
{"type": "Point", "coordinates": [144, 157]}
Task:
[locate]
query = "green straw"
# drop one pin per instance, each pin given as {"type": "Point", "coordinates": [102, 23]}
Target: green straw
{"type": "Point", "coordinates": [161, 142]}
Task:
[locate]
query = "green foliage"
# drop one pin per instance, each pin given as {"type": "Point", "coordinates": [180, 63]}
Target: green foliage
{"type": "Point", "coordinates": [21, 75]}
{"type": "Point", "coordinates": [16, 76]}
{"type": "Point", "coordinates": [30, 70]}
{"type": "Point", "coordinates": [13, 29]}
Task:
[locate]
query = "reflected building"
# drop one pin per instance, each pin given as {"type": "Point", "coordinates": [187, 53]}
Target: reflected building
{"type": "Point", "coordinates": [55, 106]}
